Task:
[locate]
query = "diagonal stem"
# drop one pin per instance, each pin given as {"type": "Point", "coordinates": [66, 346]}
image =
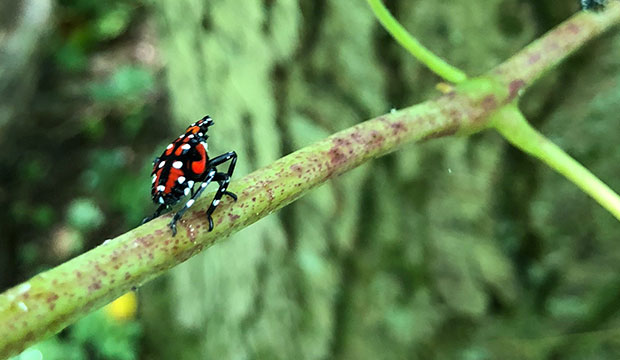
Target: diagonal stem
{"type": "Point", "coordinates": [511, 123]}
{"type": "Point", "coordinates": [406, 40]}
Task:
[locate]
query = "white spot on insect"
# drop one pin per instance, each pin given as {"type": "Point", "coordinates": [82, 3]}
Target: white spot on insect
{"type": "Point", "coordinates": [186, 191]}
{"type": "Point", "coordinates": [161, 188]}
{"type": "Point", "coordinates": [177, 164]}
{"type": "Point", "coordinates": [191, 136]}
{"type": "Point", "coordinates": [204, 145]}
{"type": "Point", "coordinates": [161, 164]}
{"type": "Point", "coordinates": [201, 134]}
{"type": "Point", "coordinates": [186, 146]}
{"type": "Point", "coordinates": [154, 178]}
{"type": "Point", "coordinates": [182, 136]}
{"type": "Point", "coordinates": [181, 179]}
{"type": "Point", "coordinates": [161, 200]}
{"type": "Point", "coordinates": [204, 185]}
{"type": "Point", "coordinates": [190, 184]}
{"type": "Point", "coordinates": [23, 288]}
{"type": "Point", "coordinates": [216, 202]}
{"type": "Point", "coordinates": [169, 147]}
{"type": "Point", "coordinates": [190, 202]}
{"type": "Point", "coordinates": [22, 306]}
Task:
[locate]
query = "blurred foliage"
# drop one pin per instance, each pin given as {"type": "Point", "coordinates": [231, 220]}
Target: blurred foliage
{"type": "Point", "coordinates": [96, 89]}
{"type": "Point", "coordinates": [79, 173]}
{"type": "Point", "coordinates": [456, 248]}
{"type": "Point", "coordinates": [84, 214]}
{"type": "Point", "coordinates": [126, 84]}
{"type": "Point", "coordinates": [96, 336]}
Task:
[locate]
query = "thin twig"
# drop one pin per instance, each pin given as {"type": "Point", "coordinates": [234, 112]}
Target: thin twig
{"type": "Point", "coordinates": [425, 56]}
{"type": "Point", "coordinates": [511, 123]}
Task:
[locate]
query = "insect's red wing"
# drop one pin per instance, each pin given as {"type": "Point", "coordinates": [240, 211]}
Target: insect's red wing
{"type": "Point", "coordinates": [181, 165]}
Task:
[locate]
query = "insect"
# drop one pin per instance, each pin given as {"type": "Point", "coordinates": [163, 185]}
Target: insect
{"type": "Point", "coordinates": [185, 163]}
{"type": "Point", "coordinates": [593, 4]}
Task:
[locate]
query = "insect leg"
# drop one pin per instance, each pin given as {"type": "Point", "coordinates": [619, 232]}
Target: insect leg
{"type": "Point", "coordinates": [191, 201]}
{"type": "Point", "coordinates": [224, 180]}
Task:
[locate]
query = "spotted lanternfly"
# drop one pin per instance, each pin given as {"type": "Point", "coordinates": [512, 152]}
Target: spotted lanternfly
{"type": "Point", "coordinates": [184, 163]}
{"type": "Point", "coordinates": [593, 4]}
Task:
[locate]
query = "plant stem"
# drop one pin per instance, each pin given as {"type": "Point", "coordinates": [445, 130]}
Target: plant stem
{"type": "Point", "coordinates": [545, 53]}
{"type": "Point", "coordinates": [513, 126]}
{"type": "Point", "coordinates": [425, 56]}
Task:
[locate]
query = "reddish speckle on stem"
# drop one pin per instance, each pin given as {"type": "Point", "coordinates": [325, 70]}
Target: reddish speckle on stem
{"type": "Point", "coordinates": [95, 285]}
{"type": "Point", "coordinates": [144, 241]}
{"type": "Point", "coordinates": [51, 301]}
{"type": "Point", "coordinates": [514, 88]}
{"type": "Point", "coordinates": [573, 28]}
{"type": "Point", "coordinates": [397, 127]}
{"type": "Point", "coordinates": [342, 142]}
{"type": "Point", "coordinates": [357, 137]}
{"type": "Point", "coordinates": [377, 138]}
{"type": "Point", "coordinates": [336, 156]}
{"type": "Point", "coordinates": [233, 217]}
{"type": "Point", "coordinates": [533, 59]}
{"type": "Point", "coordinates": [100, 270]}
{"type": "Point", "coordinates": [489, 103]}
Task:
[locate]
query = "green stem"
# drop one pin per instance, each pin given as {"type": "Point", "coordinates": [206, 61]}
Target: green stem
{"type": "Point", "coordinates": [511, 123]}
{"type": "Point", "coordinates": [400, 34]}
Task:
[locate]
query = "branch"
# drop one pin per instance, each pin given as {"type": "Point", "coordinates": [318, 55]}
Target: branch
{"type": "Point", "coordinates": [511, 123]}
{"type": "Point", "coordinates": [542, 55]}
{"type": "Point", "coordinates": [425, 56]}
{"type": "Point", "coordinates": [54, 299]}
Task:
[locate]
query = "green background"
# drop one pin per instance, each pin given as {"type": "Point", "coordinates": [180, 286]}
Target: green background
{"type": "Point", "coordinates": [457, 248]}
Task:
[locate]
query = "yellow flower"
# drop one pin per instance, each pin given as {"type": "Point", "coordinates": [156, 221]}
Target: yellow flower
{"type": "Point", "coordinates": [124, 308]}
